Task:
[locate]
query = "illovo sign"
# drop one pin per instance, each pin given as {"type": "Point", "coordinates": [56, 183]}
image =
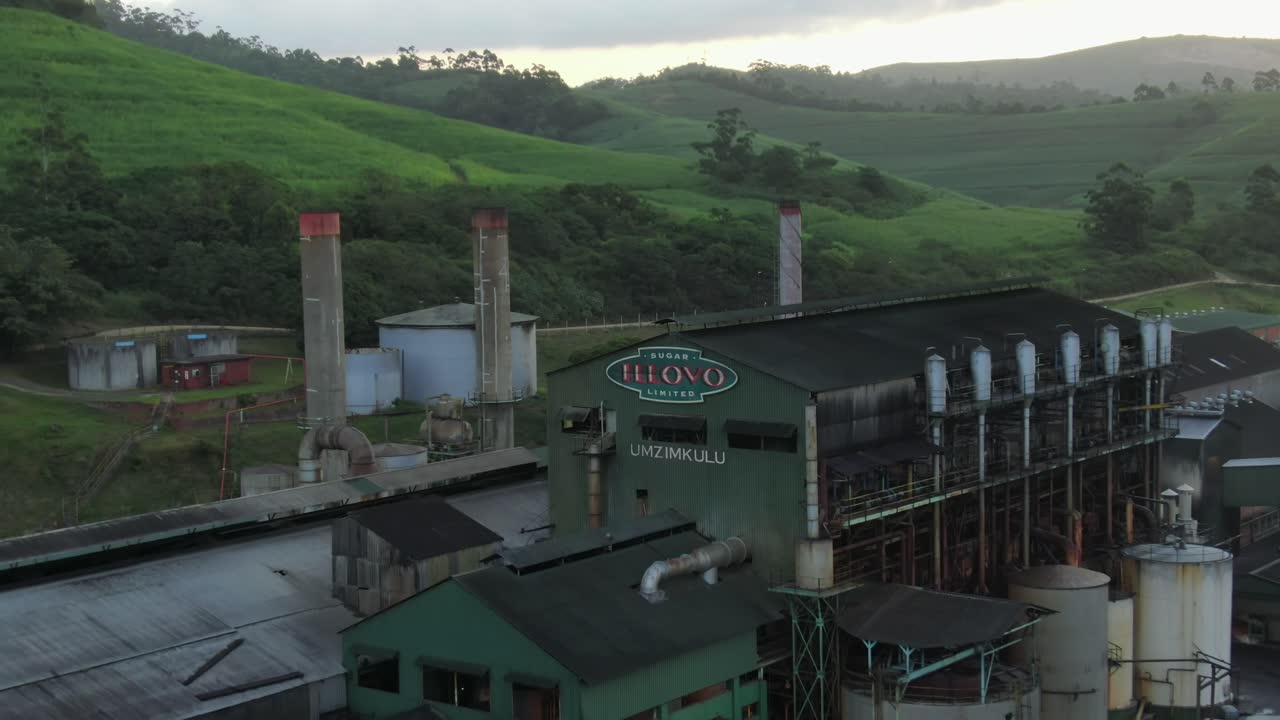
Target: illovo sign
{"type": "Point", "coordinates": [671, 375]}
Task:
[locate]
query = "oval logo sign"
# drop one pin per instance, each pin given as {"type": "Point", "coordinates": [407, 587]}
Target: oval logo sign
{"type": "Point", "coordinates": [671, 375]}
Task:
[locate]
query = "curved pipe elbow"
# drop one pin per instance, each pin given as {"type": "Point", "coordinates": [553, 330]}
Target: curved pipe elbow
{"type": "Point", "coordinates": [716, 555]}
{"type": "Point", "coordinates": [329, 437]}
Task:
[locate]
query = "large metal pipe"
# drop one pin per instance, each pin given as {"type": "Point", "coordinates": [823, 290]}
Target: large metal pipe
{"type": "Point", "coordinates": [595, 488]}
{"type": "Point", "coordinates": [1026, 434]}
{"type": "Point", "coordinates": [790, 254]}
{"type": "Point", "coordinates": [1071, 423]}
{"type": "Point", "coordinates": [322, 318]}
{"type": "Point", "coordinates": [811, 516]}
{"type": "Point", "coordinates": [708, 560]}
{"type": "Point", "coordinates": [491, 268]}
{"type": "Point", "coordinates": [1069, 547]}
{"type": "Point", "coordinates": [334, 437]}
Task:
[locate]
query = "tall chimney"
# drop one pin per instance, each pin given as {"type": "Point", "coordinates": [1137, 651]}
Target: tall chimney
{"type": "Point", "coordinates": [789, 254]}
{"type": "Point", "coordinates": [493, 327]}
{"type": "Point", "coordinates": [323, 333]}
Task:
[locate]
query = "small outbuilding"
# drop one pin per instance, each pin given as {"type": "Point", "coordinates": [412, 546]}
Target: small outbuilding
{"type": "Point", "coordinates": [389, 552]}
{"type": "Point", "coordinates": [438, 346]}
{"type": "Point", "coordinates": [205, 372]}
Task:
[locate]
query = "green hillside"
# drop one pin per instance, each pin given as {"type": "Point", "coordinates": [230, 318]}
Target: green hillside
{"type": "Point", "coordinates": [1115, 68]}
{"type": "Point", "coordinates": [1041, 159]}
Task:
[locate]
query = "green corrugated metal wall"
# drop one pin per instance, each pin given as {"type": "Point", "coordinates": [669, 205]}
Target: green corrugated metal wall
{"type": "Point", "coordinates": [464, 630]}
{"type": "Point", "coordinates": [756, 493]}
{"type": "Point", "coordinates": [670, 680]}
{"type": "Point", "coordinates": [1251, 485]}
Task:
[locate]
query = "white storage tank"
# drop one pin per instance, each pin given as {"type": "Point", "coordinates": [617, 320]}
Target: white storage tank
{"type": "Point", "coordinates": [374, 380]}
{"type": "Point", "coordinates": [1120, 700]}
{"type": "Point", "coordinates": [99, 363]}
{"type": "Point", "coordinates": [439, 351]}
{"type": "Point", "coordinates": [935, 382]}
{"type": "Point", "coordinates": [1182, 608]}
{"type": "Point", "coordinates": [980, 372]}
{"type": "Point", "coordinates": [397, 456]}
{"type": "Point", "coordinates": [1070, 646]}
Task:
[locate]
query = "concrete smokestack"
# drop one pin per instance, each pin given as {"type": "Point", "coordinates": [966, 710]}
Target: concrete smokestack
{"type": "Point", "coordinates": [790, 279]}
{"type": "Point", "coordinates": [493, 326]}
{"type": "Point", "coordinates": [323, 330]}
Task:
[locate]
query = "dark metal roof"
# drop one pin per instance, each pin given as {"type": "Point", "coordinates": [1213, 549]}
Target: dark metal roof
{"type": "Point", "coordinates": [859, 347]}
{"type": "Point", "coordinates": [589, 616]}
{"type": "Point", "coordinates": [917, 618]}
{"type": "Point", "coordinates": [424, 527]}
{"type": "Point", "coordinates": [1219, 319]}
{"type": "Point", "coordinates": [1217, 356]}
{"type": "Point", "coordinates": [881, 455]}
{"type": "Point", "coordinates": [771, 312]}
{"type": "Point", "coordinates": [587, 542]}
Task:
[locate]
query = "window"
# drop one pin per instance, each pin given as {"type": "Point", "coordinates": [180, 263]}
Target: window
{"type": "Point", "coordinates": [642, 502]}
{"type": "Point", "coordinates": [576, 419]}
{"type": "Point", "coordinates": [683, 429]}
{"type": "Point", "coordinates": [757, 435]}
{"type": "Point", "coordinates": [378, 672]}
{"type": "Point", "coordinates": [468, 688]}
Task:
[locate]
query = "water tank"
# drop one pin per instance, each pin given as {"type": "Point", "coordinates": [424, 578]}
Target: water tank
{"type": "Point", "coordinates": [1110, 349]}
{"type": "Point", "coordinates": [1070, 357]}
{"type": "Point", "coordinates": [99, 363]}
{"type": "Point", "coordinates": [1026, 354]}
{"type": "Point", "coordinates": [1071, 646]}
{"type": "Point", "coordinates": [935, 383]}
{"type": "Point", "coordinates": [374, 380]}
{"type": "Point", "coordinates": [1182, 607]}
{"type": "Point", "coordinates": [266, 478]}
{"type": "Point", "coordinates": [1120, 646]}
{"type": "Point", "coordinates": [444, 424]}
{"type": "Point", "coordinates": [396, 456]}
{"type": "Point", "coordinates": [202, 343]}
{"type": "Point", "coordinates": [980, 372]}
{"type": "Point", "coordinates": [1166, 340]}
{"type": "Point", "coordinates": [1150, 342]}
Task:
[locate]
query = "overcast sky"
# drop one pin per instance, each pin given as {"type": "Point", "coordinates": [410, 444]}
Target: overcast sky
{"type": "Point", "coordinates": [585, 39]}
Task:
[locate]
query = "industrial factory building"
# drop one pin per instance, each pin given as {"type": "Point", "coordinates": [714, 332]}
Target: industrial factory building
{"type": "Point", "coordinates": [438, 345]}
{"type": "Point", "coordinates": [941, 439]}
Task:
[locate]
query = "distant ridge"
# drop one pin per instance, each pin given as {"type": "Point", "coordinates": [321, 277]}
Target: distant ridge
{"type": "Point", "coordinates": [1116, 68]}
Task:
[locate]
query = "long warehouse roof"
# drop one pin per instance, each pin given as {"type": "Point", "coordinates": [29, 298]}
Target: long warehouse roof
{"type": "Point", "coordinates": [860, 347]}
{"type": "Point", "coordinates": [257, 509]}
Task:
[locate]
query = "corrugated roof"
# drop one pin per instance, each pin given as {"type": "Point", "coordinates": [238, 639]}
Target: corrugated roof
{"type": "Point", "coordinates": [424, 527]}
{"type": "Point", "coordinates": [620, 534]}
{"type": "Point", "coordinates": [454, 315]}
{"type": "Point", "coordinates": [520, 513]}
{"type": "Point", "coordinates": [859, 347]}
{"type": "Point", "coordinates": [267, 507]}
{"type": "Point", "coordinates": [1219, 319]}
{"type": "Point", "coordinates": [591, 619]}
{"type": "Point", "coordinates": [1218, 356]}
{"type": "Point", "coordinates": [119, 643]}
{"type": "Point", "coordinates": [917, 618]}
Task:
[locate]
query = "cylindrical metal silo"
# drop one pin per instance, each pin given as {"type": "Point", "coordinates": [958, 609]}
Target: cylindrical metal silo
{"type": "Point", "coordinates": [374, 380]}
{"type": "Point", "coordinates": [1110, 349]}
{"type": "Point", "coordinates": [1026, 354]}
{"type": "Point", "coordinates": [935, 382]}
{"type": "Point", "coordinates": [980, 371]}
{"type": "Point", "coordinates": [1182, 623]}
{"type": "Point", "coordinates": [396, 456]}
{"type": "Point", "coordinates": [1071, 646]}
{"type": "Point", "coordinates": [1120, 646]}
{"type": "Point", "coordinates": [1070, 358]}
{"type": "Point", "coordinates": [1150, 342]}
{"type": "Point", "coordinates": [1166, 340]}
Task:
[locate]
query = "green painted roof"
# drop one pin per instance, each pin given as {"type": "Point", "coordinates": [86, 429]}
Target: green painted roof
{"type": "Point", "coordinates": [1224, 319]}
{"type": "Point", "coordinates": [441, 316]}
{"type": "Point", "coordinates": [590, 617]}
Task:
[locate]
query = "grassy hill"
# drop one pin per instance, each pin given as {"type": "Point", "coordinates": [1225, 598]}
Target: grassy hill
{"type": "Point", "coordinates": [1115, 68]}
{"type": "Point", "coordinates": [1041, 159]}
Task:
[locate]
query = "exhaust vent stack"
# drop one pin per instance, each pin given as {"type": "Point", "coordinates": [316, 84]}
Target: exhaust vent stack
{"type": "Point", "coordinates": [790, 254]}
{"type": "Point", "coordinates": [493, 327]}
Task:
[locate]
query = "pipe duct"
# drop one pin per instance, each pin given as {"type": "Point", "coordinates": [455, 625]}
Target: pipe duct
{"type": "Point", "coordinates": [334, 437]}
{"type": "Point", "coordinates": [708, 560]}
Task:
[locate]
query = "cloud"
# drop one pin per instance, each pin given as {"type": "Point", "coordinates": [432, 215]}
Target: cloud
{"type": "Point", "coordinates": [348, 27]}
